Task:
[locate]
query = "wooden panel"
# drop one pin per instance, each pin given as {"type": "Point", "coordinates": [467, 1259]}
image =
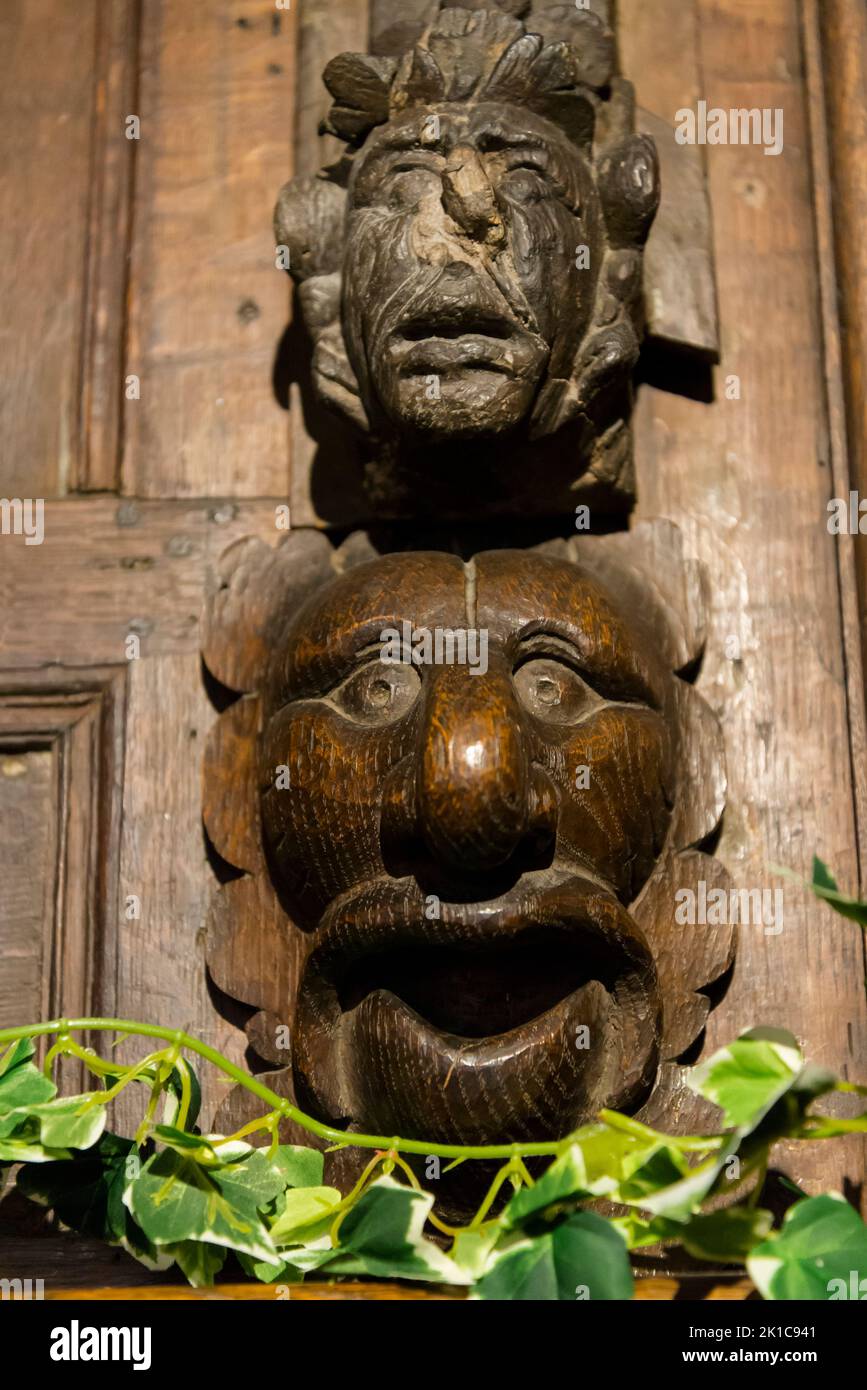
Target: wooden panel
{"type": "Point", "coordinates": [27, 864]}
{"type": "Point", "coordinates": [61, 736]}
{"type": "Point", "coordinates": [844, 29]}
{"type": "Point", "coordinates": [115, 77]}
{"type": "Point", "coordinates": [108, 569]}
{"type": "Point", "coordinates": [748, 480]}
{"type": "Point", "coordinates": [208, 305]}
{"type": "Point", "coordinates": [46, 56]}
{"type": "Point", "coordinates": [160, 956]}
{"type": "Point", "coordinates": [848, 548]}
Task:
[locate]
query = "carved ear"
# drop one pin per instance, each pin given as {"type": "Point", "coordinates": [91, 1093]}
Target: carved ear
{"type": "Point", "coordinates": [308, 219]}
{"type": "Point", "coordinates": [629, 189]}
{"type": "Point", "coordinates": [657, 582]}
{"type": "Point", "coordinates": [255, 586]}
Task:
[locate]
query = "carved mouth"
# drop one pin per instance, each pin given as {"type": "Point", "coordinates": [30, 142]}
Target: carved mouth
{"type": "Point", "coordinates": [480, 991]}
{"type": "Point", "coordinates": [460, 337]}
{"type": "Point", "coordinates": [509, 1019]}
{"type": "Point", "coordinates": [449, 324]}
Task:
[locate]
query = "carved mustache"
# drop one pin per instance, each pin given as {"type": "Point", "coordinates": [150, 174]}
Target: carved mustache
{"type": "Point", "coordinates": [459, 299]}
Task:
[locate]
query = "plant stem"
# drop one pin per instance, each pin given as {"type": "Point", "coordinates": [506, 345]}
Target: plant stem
{"type": "Point", "coordinates": [284, 1107]}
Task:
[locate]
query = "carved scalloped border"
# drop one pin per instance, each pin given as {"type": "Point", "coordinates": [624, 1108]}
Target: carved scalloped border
{"type": "Point", "coordinates": [252, 952]}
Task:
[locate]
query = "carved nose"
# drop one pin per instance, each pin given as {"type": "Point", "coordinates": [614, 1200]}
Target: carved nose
{"type": "Point", "coordinates": [468, 197]}
{"type": "Point", "coordinates": [473, 784]}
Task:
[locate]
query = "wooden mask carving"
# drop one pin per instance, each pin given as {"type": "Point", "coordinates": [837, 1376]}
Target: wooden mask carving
{"type": "Point", "coordinates": [470, 273]}
{"type": "Point", "coordinates": [472, 862]}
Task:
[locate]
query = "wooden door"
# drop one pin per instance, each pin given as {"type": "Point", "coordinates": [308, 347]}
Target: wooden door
{"type": "Point", "coordinates": [148, 401]}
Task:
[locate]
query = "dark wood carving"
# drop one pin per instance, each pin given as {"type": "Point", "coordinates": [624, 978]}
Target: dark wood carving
{"type": "Point", "coordinates": [450, 873]}
{"type": "Point", "coordinates": [470, 271]}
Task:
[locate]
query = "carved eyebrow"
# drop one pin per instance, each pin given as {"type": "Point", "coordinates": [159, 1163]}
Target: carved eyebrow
{"type": "Point", "coordinates": [629, 686]}
{"type": "Point", "coordinates": [410, 140]}
{"type": "Point", "coordinates": [495, 139]}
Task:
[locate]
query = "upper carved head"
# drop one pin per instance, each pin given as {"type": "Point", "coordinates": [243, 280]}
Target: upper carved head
{"type": "Point", "coordinates": [472, 268]}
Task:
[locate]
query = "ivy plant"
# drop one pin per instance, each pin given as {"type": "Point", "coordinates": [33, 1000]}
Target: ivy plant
{"type": "Point", "coordinates": [172, 1195]}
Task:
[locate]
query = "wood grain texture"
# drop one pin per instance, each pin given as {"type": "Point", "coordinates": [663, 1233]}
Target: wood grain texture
{"type": "Point", "coordinates": [60, 806]}
{"type": "Point", "coordinates": [848, 547]}
{"type": "Point", "coordinates": [108, 569]}
{"type": "Point", "coordinates": [46, 55]}
{"type": "Point", "coordinates": [115, 97]}
{"type": "Point", "coordinates": [748, 480]}
{"type": "Point", "coordinates": [160, 971]}
{"type": "Point", "coordinates": [207, 303]}
{"type": "Point", "coordinates": [844, 34]}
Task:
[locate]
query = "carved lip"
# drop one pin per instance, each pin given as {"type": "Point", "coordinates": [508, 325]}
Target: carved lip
{"type": "Point", "coordinates": [454, 336]}
{"type": "Point", "coordinates": [401, 1020]}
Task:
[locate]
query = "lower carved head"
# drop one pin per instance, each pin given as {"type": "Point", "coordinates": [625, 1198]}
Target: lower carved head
{"type": "Point", "coordinates": [468, 776]}
{"type": "Point", "coordinates": [475, 269]}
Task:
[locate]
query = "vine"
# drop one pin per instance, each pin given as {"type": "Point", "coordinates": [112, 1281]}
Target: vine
{"type": "Point", "coordinates": [173, 1195]}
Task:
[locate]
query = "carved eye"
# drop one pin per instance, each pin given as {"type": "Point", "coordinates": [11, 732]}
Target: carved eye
{"type": "Point", "coordinates": [378, 693]}
{"type": "Point", "coordinates": [553, 691]}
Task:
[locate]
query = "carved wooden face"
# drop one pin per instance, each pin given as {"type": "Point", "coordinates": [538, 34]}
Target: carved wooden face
{"type": "Point", "coordinates": [461, 282]}
{"type": "Point", "coordinates": [462, 840]}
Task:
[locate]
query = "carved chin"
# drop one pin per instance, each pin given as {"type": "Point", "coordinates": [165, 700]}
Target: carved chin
{"type": "Point", "coordinates": [518, 1019]}
{"type": "Point", "coordinates": [462, 402]}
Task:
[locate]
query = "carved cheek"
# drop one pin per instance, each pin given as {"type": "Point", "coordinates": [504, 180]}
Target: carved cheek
{"type": "Point", "coordinates": [323, 829]}
{"type": "Point", "coordinates": [615, 802]}
{"type": "Point", "coordinates": [543, 239]}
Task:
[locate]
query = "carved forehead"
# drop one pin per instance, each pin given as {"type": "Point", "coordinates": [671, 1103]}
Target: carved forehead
{"type": "Point", "coordinates": [484, 125]}
{"type": "Point", "coordinates": [520, 594]}
{"type": "Point", "coordinates": [338, 621]}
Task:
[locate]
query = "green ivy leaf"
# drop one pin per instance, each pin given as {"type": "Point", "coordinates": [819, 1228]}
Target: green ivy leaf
{"type": "Point", "coordinates": [174, 1199]}
{"type": "Point", "coordinates": [300, 1166]}
{"type": "Point", "coordinates": [749, 1076]}
{"type": "Point", "coordinates": [268, 1273]}
{"type": "Point", "coordinates": [198, 1147]}
{"type": "Point", "coordinates": [382, 1235]}
{"type": "Point", "coordinates": [602, 1161]}
{"type": "Point", "coordinates": [820, 1254]}
{"type": "Point", "coordinates": [69, 1122]}
{"type": "Point", "coordinates": [303, 1207]}
{"type": "Point", "coordinates": [727, 1235]}
{"type": "Point", "coordinates": [26, 1149]}
{"type": "Point", "coordinates": [86, 1194]}
{"type": "Point", "coordinates": [79, 1190]}
{"type": "Point", "coordinates": [21, 1083]}
{"type": "Point", "coordinates": [199, 1261]}
{"type": "Point", "coordinates": [582, 1258]}
{"type": "Point", "coordinates": [472, 1250]}
{"type": "Point", "coordinates": [824, 885]}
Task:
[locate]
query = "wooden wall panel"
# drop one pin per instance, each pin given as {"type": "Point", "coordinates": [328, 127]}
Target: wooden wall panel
{"type": "Point", "coordinates": [27, 864]}
{"type": "Point", "coordinates": [61, 779]}
{"type": "Point", "coordinates": [160, 956]}
{"type": "Point", "coordinates": [748, 479]}
{"type": "Point", "coordinates": [207, 304]}
{"type": "Point", "coordinates": [46, 55]}
{"type": "Point", "coordinates": [107, 569]}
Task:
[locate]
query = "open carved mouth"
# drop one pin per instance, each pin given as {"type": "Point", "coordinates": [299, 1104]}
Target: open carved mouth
{"type": "Point", "coordinates": [481, 991]}
{"type": "Point", "coordinates": [509, 1019]}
